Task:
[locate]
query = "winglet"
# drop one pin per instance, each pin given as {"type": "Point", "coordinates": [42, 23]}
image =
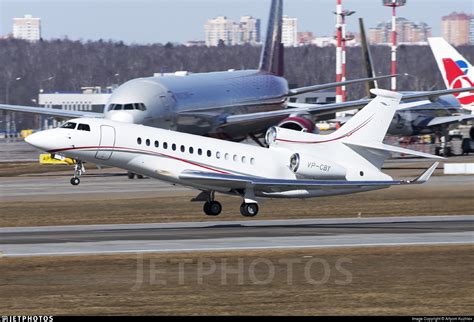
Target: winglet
{"type": "Point", "coordinates": [425, 176]}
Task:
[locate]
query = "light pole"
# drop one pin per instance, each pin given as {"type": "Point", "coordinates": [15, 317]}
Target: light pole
{"type": "Point", "coordinates": [40, 118]}
{"type": "Point", "coordinates": [9, 116]}
{"type": "Point", "coordinates": [345, 38]}
{"type": "Point", "coordinates": [341, 49]}
{"type": "Point", "coordinates": [394, 4]}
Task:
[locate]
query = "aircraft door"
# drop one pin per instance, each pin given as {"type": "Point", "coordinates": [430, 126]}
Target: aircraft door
{"type": "Point", "coordinates": [106, 143]}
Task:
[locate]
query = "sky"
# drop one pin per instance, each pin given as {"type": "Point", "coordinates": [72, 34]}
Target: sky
{"type": "Point", "coordinates": [151, 21]}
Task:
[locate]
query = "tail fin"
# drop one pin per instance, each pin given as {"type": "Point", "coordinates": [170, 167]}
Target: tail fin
{"type": "Point", "coordinates": [372, 122]}
{"type": "Point", "coordinates": [457, 79]}
{"type": "Point", "coordinates": [364, 133]}
{"type": "Point", "coordinates": [441, 50]}
{"type": "Point", "coordinates": [271, 59]}
{"type": "Point", "coordinates": [367, 60]}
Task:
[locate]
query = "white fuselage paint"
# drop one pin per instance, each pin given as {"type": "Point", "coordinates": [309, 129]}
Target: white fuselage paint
{"type": "Point", "coordinates": [117, 144]}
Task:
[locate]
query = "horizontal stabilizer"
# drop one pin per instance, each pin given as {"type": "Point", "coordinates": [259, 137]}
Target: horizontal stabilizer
{"type": "Point", "coordinates": [390, 148]}
{"type": "Point", "coordinates": [425, 176]}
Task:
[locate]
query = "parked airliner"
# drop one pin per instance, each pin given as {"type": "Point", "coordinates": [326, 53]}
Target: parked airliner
{"type": "Point", "coordinates": [295, 165]}
{"type": "Point", "coordinates": [456, 70]}
{"type": "Point", "coordinates": [207, 103]}
{"type": "Point", "coordinates": [436, 115]}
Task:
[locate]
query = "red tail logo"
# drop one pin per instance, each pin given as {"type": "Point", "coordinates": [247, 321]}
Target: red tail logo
{"type": "Point", "coordinates": [457, 79]}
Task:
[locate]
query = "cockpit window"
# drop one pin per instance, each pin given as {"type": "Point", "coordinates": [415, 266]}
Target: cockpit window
{"type": "Point", "coordinates": [129, 107]}
{"type": "Point", "coordinates": [69, 125]}
{"type": "Point", "coordinates": [84, 127]}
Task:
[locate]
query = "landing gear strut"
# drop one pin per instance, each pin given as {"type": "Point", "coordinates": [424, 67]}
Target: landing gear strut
{"type": "Point", "coordinates": [78, 171]}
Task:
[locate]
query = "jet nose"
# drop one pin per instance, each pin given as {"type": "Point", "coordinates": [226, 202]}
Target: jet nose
{"type": "Point", "coordinates": [41, 140]}
{"type": "Point", "coordinates": [34, 139]}
{"type": "Point", "coordinates": [122, 116]}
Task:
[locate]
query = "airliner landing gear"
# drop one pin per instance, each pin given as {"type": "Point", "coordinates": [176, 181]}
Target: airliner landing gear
{"type": "Point", "coordinates": [78, 171]}
{"type": "Point", "coordinates": [212, 208]}
{"type": "Point", "coordinates": [249, 209]}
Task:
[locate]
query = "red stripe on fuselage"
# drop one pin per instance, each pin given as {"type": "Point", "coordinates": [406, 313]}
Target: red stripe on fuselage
{"type": "Point", "coordinates": [335, 139]}
{"type": "Point", "coordinates": [139, 150]}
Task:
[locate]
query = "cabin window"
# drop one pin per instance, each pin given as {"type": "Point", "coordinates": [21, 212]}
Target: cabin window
{"type": "Point", "coordinates": [244, 159]}
{"type": "Point", "coordinates": [147, 142]}
{"type": "Point", "coordinates": [252, 161]}
{"type": "Point", "coordinates": [165, 145]}
{"type": "Point", "coordinates": [139, 141]}
{"type": "Point", "coordinates": [191, 150]}
{"type": "Point", "coordinates": [200, 151]}
{"type": "Point", "coordinates": [157, 144]}
{"type": "Point", "coordinates": [183, 148]}
{"type": "Point", "coordinates": [235, 157]}
{"type": "Point", "coordinates": [173, 147]}
{"type": "Point", "coordinates": [218, 155]}
{"type": "Point", "coordinates": [209, 153]}
{"type": "Point", "coordinates": [226, 156]}
{"type": "Point", "coordinates": [84, 127]}
{"type": "Point", "coordinates": [69, 125]}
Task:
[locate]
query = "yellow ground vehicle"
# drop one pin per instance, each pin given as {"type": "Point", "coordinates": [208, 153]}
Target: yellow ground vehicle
{"type": "Point", "coordinates": [47, 158]}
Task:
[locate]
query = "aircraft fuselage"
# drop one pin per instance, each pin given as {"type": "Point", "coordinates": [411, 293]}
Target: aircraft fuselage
{"type": "Point", "coordinates": [197, 103]}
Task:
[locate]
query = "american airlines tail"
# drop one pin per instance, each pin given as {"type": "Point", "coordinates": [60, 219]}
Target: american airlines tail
{"type": "Point", "coordinates": [457, 72]}
{"type": "Point", "coordinates": [271, 59]}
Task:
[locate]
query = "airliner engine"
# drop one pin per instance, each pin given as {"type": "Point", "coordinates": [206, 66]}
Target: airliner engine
{"type": "Point", "coordinates": [314, 168]}
{"type": "Point", "coordinates": [298, 123]}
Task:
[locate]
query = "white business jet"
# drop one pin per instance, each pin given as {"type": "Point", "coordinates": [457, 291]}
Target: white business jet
{"type": "Point", "coordinates": [296, 164]}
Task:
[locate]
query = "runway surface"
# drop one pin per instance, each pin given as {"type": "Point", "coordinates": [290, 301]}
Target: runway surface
{"type": "Point", "coordinates": [236, 235]}
{"type": "Point", "coordinates": [109, 183]}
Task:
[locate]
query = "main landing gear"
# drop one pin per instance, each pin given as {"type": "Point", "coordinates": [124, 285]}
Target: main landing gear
{"type": "Point", "coordinates": [78, 171]}
{"type": "Point", "coordinates": [214, 208]}
{"type": "Point", "coordinates": [249, 209]}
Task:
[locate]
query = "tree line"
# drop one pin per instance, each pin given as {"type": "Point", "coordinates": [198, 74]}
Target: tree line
{"type": "Point", "coordinates": [66, 65]}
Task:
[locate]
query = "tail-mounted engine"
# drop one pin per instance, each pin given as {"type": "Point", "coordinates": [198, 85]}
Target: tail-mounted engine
{"type": "Point", "coordinates": [315, 168]}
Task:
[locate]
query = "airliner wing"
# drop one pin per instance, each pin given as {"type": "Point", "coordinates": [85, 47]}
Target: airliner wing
{"type": "Point", "coordinates": [259, 122]}
{"type": "Point", "coordinates": [445, 120]}
{"type": "Point", "coordinates": [49, 111]}
{"type": "Point", "coordinates": [231, 181]}
{"type": "Point", "coordinates": [315, 88]}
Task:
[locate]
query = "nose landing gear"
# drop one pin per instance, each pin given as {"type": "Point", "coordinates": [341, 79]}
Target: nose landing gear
{"type": "Point", "coordinates": [78, 171]}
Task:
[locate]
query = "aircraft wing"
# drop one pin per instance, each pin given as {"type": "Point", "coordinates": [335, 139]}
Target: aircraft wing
{"type": "Point", "coordinates": [49, 111]}
{"type": "Point", "coordinates": [259, 122]}
{"type": "Point", "coordinates": [433, 95]}
{"type": "Point", "coordinates": [231, 181]}
{"type": "Point", "coordinates": [314, 88]}
{"type": "Point", "coordinates": [445, 120]}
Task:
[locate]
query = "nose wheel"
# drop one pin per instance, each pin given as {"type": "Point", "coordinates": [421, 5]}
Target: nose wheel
{"type": "Point", "coordinates": [75, 181]}
{"type": "Point", "coordinates": [249, 209]}
{"type": "Point", "coordinates": [78, 171]}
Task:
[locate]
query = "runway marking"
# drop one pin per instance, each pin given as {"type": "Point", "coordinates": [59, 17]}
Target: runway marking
{"type": "Point", "coordinates": [217, 249]}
